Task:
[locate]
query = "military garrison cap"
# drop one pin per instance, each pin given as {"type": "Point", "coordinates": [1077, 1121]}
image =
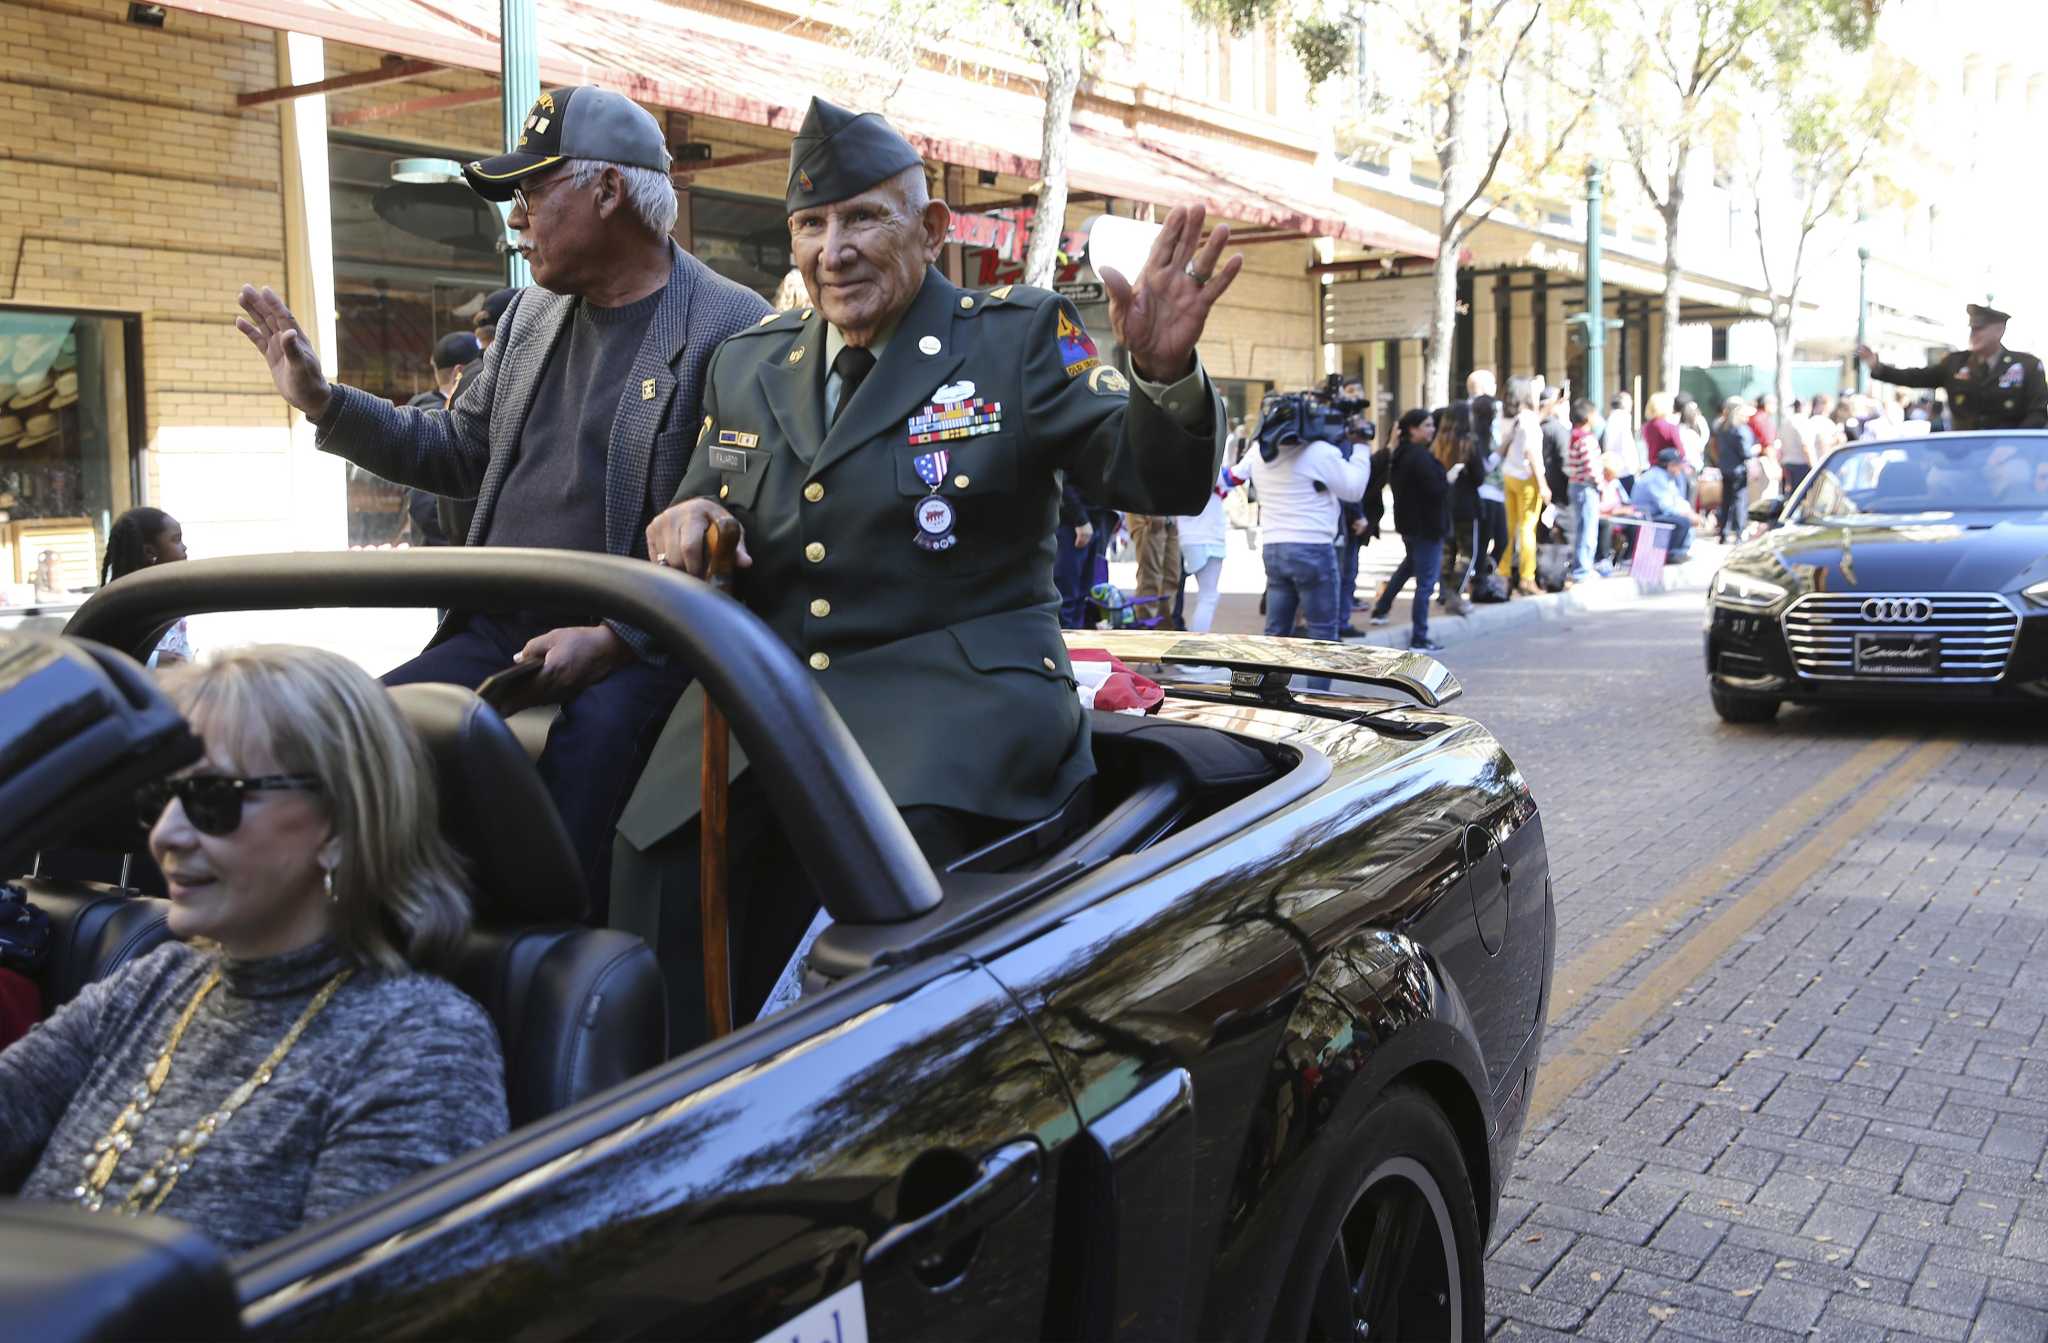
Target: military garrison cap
{"type": "Point", "coordinates": [837, 154]}
{"type": "Point", "coordinates": [1981, 315]}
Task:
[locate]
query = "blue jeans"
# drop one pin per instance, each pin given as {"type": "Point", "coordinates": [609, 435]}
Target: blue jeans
{"type": "Point", "coordinates": [1680, 540]}
{"type": "Point", "coordinates": [1073, 568]}
{"type": "Point", "coordinates": [1348, 547]}
{"type": "Point", "coordinates": [1422, 562]}
{"type": "Point", "coordinates": [1734, 515]}
{"type": "Point", "coordinates": [1586, 512]}
{"type": "Point", "coordinates": [1302, 578]}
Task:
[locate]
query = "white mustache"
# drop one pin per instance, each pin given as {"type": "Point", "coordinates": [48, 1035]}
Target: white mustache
{"type": "Point", "coordinates": [515, 243]}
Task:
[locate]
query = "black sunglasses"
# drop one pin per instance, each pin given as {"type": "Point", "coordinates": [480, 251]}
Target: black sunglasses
{"type": "Point", "coordinates": [213, 802]}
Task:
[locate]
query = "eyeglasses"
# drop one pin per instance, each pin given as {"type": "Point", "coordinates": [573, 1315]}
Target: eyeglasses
{"type": "Point", "coordinates": [524, 200]}
{"type": "Point", "coordinates": [213, 802]}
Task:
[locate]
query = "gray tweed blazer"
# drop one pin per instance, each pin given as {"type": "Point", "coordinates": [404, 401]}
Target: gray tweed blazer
{"type": "Point", "coordinates": [469, 448]}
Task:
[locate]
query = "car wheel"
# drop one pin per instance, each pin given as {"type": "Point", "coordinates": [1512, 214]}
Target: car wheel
{"type": "Point", "coordinates": [1401, 1256]}
{"type": "Point", "coordinates": [1742, 708]}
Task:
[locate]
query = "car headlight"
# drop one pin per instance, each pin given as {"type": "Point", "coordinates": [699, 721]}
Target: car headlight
{"type": "Point", "coordinates": [2037, 594]}
{"type": "Point", "coordinates": [1734, 589]}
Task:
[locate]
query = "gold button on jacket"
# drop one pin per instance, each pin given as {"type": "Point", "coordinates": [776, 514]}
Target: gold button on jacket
{"type": "Point", "coordinates": [819, 662]}
{"type": "Point", "coordinates": [815, 552]}
{"type": "Point", "coordinates": [814, 491]}
{"type": "Point", "coordinates": [821, 608]}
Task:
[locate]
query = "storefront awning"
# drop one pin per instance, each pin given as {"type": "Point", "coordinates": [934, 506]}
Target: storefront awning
{"type": "Point", "coordinates": [692, 61]}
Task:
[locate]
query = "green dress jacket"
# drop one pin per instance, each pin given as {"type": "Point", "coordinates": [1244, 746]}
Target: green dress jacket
{"type": "Point", "coordinates": [944, 658]}
{"type": "Point", "coordinates": [2009, 392]}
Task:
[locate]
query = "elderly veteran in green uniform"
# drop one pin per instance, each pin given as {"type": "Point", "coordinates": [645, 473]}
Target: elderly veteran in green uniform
{"type": "Point", "coordinates": [894, 457]}
{"type": "Point", "coordinates": [1988, 386]}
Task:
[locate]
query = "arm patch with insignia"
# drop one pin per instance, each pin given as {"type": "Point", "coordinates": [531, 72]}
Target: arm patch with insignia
{"type": "Point", "coordinates": [1077, 351]}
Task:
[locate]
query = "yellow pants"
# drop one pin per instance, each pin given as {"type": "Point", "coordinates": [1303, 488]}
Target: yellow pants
{"type": "Point", "coordinates": [1525, 508]}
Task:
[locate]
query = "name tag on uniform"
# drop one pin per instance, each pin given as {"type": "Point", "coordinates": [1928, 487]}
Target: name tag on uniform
{"type": "Point", "coordinates": [728, 459]}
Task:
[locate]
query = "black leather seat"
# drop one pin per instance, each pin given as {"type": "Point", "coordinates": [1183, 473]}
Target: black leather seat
{"type": "Point", "coordinates": [95, 929]}
{"type": "Point", "coordinates": [577, 1009]}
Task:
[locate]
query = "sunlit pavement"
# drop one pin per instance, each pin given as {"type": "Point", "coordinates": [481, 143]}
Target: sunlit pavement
{"type": "Point", "coordinates": [1796, 1083]}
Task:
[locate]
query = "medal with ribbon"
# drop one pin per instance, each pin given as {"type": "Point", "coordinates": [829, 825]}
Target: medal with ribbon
{"type": "Point", "coordinates": [934, 514]}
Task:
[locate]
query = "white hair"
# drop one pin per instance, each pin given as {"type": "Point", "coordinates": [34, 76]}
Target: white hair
{"type": "Point", "coordinates": [649, 193]}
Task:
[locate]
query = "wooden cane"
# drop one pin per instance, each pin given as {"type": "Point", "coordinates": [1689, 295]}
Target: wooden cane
{"type": "Point", "coordinates": [721, 547]}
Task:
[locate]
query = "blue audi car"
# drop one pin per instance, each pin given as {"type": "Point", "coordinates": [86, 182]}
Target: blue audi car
{"type": "Point", "coordinates": [1908, 569]}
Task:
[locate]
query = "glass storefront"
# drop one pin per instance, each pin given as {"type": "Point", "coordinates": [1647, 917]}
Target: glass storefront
{"type": "Point", "coordinates": [67, 447]}
{"type": "Point", "coordinates": [412, 262]}
{"type": "Point", "coordinates": [743, 238]}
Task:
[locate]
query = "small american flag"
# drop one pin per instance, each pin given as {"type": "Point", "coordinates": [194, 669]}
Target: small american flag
{"type": "Point", "coordinates": [1647, 568]}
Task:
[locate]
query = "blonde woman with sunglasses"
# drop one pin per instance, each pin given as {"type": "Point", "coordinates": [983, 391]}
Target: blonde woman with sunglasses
{"type": "Point", "coordinates": [291, 1054]}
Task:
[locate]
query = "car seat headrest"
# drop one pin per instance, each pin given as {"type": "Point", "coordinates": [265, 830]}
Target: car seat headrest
{"type": "Point", "coordinates": [495, 810]}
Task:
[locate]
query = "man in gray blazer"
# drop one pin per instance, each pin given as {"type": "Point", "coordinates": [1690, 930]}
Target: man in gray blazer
{"type": "Point", "coordinates": [583, 415]}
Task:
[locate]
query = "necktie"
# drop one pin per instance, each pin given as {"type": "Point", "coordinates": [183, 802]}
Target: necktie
{"type": "Point", "coordinates": [852, 365]}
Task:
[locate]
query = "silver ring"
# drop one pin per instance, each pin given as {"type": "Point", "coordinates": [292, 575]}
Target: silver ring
{"type": "Point", "coordinates": [1190, 272]}
{"type": "Point", "coordinates": [661, 557]}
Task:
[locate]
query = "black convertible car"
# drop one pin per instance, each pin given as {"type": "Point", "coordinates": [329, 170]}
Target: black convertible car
{"type": "Point", "coordinates": [1240, 1047]}
{"type": "Point", "coordinates": [1909, 569]}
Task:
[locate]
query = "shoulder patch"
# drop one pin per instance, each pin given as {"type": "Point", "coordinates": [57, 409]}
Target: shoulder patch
{"type": "Point", "coordinates": [1077, 350]}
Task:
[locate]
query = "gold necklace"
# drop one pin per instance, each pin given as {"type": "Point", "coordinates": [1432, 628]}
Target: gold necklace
{"type": "Point", "coordinates": [108, 1149]}
{"type": "Point", "coordinates": [156, 1183]}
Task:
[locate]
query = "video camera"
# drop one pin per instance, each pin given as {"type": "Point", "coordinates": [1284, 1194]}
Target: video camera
{"type": "Point", "coordinates": [1318, 414]}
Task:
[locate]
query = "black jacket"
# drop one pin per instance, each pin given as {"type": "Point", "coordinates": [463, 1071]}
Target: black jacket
{"type": "Point", "coordinates": [1731, 455]}
{"type": "Point", "coordinates": [1557, 441]}
{"type": "Point", "coordinates": [1421, 492]}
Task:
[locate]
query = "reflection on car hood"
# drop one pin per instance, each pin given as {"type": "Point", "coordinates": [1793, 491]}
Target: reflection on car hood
{"type": "Point", "coordinates": [1920, 552]}
{"type": "Point", "coordinates": [1395, 668]}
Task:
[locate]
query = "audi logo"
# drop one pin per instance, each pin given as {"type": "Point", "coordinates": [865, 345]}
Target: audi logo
{"type": "Point", "coordinates": [1898, 610]}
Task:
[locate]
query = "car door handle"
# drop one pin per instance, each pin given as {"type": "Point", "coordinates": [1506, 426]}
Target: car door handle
{"type": "Point", "coordinates": [1008, 1178]}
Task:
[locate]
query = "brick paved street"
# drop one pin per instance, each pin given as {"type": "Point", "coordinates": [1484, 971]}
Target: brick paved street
{"type": "Point", "coordinates": [1836, 1127]}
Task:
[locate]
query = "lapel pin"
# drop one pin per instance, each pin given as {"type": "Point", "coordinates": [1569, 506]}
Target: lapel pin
{"type": "Point", "coordinates": [796, 356]}
{"type": "Point", "coordinates": [647, 389]}
{"type": "Point", "coordinates": [928, 344]}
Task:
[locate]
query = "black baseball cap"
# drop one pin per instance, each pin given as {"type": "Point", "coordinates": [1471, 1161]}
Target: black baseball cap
{"type": "Point", "coordinates": [585, 122]}
{"type": "Point", "coordinates": [456, 349]}
{"type": "Point", "coordinates": [493, 308]}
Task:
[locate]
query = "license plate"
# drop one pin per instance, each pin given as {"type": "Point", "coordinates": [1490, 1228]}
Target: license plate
{"type": "Point", "coordinates": [1898, 655]}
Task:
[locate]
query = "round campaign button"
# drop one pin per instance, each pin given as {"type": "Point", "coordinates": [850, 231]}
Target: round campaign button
{"type": "Point", "coordinates": [935, 516]}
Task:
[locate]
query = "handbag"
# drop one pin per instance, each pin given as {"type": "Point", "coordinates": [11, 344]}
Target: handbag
{"type": "Point", "coordinates": [1239, 510]}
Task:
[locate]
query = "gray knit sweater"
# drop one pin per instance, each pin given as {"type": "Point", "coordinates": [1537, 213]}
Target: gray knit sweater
{"type": "Point", "coordinates": [398, 1073]}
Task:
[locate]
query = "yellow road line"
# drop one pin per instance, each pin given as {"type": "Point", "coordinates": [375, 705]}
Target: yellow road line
{"type": "Point", "coordinates": [1877, 776]}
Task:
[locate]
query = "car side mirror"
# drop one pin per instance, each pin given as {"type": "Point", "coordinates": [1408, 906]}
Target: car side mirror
{"type": "Point", "coordinates": [68, 1276]}
{"type": "Point", "coordinates": [1769, 511]}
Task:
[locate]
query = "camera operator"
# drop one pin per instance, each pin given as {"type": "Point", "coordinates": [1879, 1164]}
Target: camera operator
{"type": "Point", "coordinates": [1303, 477]}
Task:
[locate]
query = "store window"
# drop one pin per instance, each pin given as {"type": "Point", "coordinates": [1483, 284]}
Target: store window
{"type": "Point", "coordinates": [743, 238]}
{"type": "Point", "coordinates": [413, 260]}
{"type": "Point", "coordinates": [68, 448]}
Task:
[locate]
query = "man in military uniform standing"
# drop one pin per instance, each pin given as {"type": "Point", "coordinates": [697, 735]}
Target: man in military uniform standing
{"type": "Point", "coordinates": [1988, 386]}
{"type": "Point", "coordinates": [894, 454]}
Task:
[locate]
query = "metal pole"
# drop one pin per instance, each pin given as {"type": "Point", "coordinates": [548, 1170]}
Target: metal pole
{"type": "Point", "coordinates": [519, 52]}
{"type": "Point", "coordinates": [1596, 302]}
{"type": "Point", "coordinates": [1862, 316]}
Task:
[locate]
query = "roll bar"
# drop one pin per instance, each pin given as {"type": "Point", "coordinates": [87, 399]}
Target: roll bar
{"type": "Point", "coordinates": [855, 845]}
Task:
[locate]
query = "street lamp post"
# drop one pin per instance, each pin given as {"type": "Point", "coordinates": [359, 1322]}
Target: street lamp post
{"type": "Point", "coordinates": [1862, 317]}
{"type": "Point", "coordinates": [1596, 302]}
{"type": "Point", "coordinates": [519, 53]}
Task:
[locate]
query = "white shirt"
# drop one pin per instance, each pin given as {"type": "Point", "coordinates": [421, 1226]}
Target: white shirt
{"type": "Point", "coordinates": [1292, 511]}
{"type": "Point", "coordinates": [1525, 447]}
{"type": "Point", "coordinates": [1209, 527]}
{"type": "Point", "coordinates": [1792, 441]}
{"type": "Point", "coordinates": [1619, 438]}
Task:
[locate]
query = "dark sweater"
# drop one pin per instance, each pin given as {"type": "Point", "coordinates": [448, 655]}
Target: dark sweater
{"type": "Point", "coordinates": [399, 1073]}
{"type": "Point", "coordinates": [1421, 493]}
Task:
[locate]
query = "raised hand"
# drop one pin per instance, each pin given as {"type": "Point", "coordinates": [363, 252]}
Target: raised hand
{"type": "Point", "coordinates": [1161, 317]}
{"type": "Point", "coordinates": [294, 365]}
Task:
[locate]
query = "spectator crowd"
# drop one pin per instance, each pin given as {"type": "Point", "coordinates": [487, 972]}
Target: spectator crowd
{"type": "Point", "coordinates": [1494, 497]}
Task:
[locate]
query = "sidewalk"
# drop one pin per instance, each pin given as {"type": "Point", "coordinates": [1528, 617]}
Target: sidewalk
{"type": "Point", "coordinates": [1244, 579]}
